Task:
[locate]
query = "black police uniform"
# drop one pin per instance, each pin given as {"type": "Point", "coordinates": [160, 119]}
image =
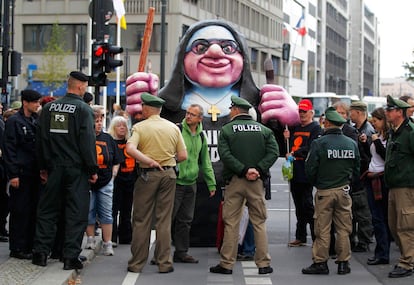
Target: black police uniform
{"type": "Point", "coordinates": [20, 160]}
{"type": "Point", "coordinates": [67, 151]}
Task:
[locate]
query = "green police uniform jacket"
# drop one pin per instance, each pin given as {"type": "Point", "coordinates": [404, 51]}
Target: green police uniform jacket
{"type": "Point", "coordinates": [399, 159]}
{"type": "Point", "coordinates": [66, 135]}
{"type": "Point", "coordinates": [333, 160]}
{"type": "Point", "coordinates": [243, 144]}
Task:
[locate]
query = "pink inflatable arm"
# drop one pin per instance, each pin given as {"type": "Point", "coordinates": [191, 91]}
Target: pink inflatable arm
{"type": "Point", "coordinates": [277, 104]}
{"type": "Point", "coordinates": [136, 84]}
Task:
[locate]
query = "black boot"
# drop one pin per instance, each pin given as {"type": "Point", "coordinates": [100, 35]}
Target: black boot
{"type": "Point", "coordinates": [316, 268]}
{"type": "Point", "coordinates": [39, 258]}
{"type": "Point", "coordinates": [72, 263]}
{"type": "Point", "coordinates": [343, 267]}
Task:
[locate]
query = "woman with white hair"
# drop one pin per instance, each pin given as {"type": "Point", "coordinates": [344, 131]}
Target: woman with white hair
{"type": "Point", "coordinates": [123, 185]}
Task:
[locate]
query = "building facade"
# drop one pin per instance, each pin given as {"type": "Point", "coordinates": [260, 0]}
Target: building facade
{"type": "Point", "coordinates": [320, 60]}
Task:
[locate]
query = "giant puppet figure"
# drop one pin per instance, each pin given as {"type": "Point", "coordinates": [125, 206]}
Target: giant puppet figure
{"type": "Point", "coordinates": [211, 65]}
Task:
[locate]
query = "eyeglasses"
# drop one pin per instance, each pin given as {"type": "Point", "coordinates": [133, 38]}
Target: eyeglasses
{"type": "Point", "coordinates": [302, 111]}
{"type": "Point", "coordinates": [192, 115]}
{"type": "Point", "coordinates": [201, 46]}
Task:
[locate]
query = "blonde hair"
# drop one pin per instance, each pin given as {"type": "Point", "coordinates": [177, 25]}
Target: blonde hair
{"type": "Point", "coordinates": [115, 122]}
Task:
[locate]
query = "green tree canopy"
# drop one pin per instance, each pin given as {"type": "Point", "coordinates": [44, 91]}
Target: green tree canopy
{"type": "Point", "coordinates": [410, 68]}
{"type": "Point", "coordinates": [54, 70]}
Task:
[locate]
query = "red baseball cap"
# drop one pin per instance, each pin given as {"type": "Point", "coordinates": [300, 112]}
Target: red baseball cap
{"type": "Point", "coordinates": [305, 105]}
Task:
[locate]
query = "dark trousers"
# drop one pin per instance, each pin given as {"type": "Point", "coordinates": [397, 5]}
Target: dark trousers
{"type": "Point", "coordinates": [23, 203]}
{"type": "Point", "coordinates": [66, 187]}
{"type": "Point", "coordinates": [183, 213]}
{"type": "Point", "coordinates": [362, 221]}
{"type": "Point", "coordinates": [379, 211]}
{"type": "Point", "coordinates": [248, 247]}
{"type": "Point", "coordinates": [4, 206]}
{"type": "Point", "coordinates": [303, 199]}
{"type": "Point", "coordinates": [122, 205]}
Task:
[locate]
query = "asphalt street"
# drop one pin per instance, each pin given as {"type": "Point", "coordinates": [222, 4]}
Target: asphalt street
{"type": "Point", "coordinates": [287, 262]}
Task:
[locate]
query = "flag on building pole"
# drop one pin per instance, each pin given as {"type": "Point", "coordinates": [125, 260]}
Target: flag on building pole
{"type": "Point", "coordinates": [121, 23]}
{"type": "Point", "coordinates": [287, 30]}
{"type": "Point", "coordinates": [120, 13]}
{"type": "Point", "coordinates": [300, 26]}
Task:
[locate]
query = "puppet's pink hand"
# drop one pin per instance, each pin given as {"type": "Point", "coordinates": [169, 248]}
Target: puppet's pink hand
{"type": "Point", "coordinates": [136, 84]}
{"type": "Point", "coordinates": [277, 104]}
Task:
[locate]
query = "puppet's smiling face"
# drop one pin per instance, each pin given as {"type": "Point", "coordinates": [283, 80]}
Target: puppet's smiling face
{"type": "Point", "coordinates": [213, 58]}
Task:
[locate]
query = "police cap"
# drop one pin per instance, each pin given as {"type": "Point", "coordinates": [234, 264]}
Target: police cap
{"type": "Point", "coordinates": [79, 76]}
{"type": "Point", "coordinates": [333, 116]}
{"type": "Point", "coordinates": [393, 103]}
{"type": "Point", "coordinates": [152, 100]}
{"type": "Point", "coordinates": [30, 95]}
{"type": "Point", "coordinates": [16, 105]}
{"type": "Point", "coordinates": [358, 105]}
{"type": "Point", "coordinates": [240, 102]}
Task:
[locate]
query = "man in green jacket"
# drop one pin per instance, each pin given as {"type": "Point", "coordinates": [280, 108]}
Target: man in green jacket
{"type": "Point", "coordinates": [398, 175]}
{"type": "Point", "coordinates": [247, 150]}
{"type": "Point", "coordinates": [185, 193]}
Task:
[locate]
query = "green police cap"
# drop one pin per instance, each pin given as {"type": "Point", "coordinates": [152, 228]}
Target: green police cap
{"type": "Point", "coordinates": [152, 100]}
{"type": "Point", "coordinates": [240, 102]}
{"type": "Point", "coordinates": [358, 105]}
{"type": "Point", "coordinates": [333, 116]}
{"type": "Point", "coordinates": [393, 103]}
{"type": "Point", "coordinates": [16, 105]}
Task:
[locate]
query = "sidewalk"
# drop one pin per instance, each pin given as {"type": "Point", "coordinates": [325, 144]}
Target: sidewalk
{"type": "Point", "coordinates": [16, 271]}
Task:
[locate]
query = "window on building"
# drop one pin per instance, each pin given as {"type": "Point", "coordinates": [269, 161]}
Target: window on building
{"type": "Point", "coordinates": [132, 38]}
{"type": "Point", "coordinates": [36, 37]}
{"type": "Point", "coordinates": [253, 58]}
{"type": "Point", "coordinates": [297, 68]}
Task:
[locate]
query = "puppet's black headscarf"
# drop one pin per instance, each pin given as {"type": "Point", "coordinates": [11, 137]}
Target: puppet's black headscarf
{"type": "Point", "coordinates": [174, 91]}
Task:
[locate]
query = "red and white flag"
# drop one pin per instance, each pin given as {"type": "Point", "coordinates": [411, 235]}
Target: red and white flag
{"type": "Point", "coordinates": [300, 26]}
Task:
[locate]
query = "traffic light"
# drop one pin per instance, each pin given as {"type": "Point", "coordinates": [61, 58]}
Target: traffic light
{"type": "Point", "coordinates": [98, 77]}
{"type": "Point", "coordinates": [110, 62]}
{"type": "Point", "coordinates": [15, 63]}
{"type": "Point", "coordinates": [285, 52]}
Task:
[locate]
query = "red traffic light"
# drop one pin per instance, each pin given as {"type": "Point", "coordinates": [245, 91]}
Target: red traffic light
{"type": "Point", "coordinates": [99, 51]}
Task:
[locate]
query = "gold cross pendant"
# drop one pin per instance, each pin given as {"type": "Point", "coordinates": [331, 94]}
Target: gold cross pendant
{"type": "Point", "coordinates": [214, 111]}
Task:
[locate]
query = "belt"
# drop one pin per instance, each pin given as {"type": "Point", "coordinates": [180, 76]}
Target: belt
{"type": "Point", "coordinates": [155, 168]}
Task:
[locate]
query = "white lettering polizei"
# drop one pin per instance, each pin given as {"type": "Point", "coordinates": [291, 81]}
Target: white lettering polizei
{"type": "Point", "coordinates": [63, 108]}
{"type": "Point", "coordinates": [341, 153]}
{"type": "Point", "coordinates": [246, 128]}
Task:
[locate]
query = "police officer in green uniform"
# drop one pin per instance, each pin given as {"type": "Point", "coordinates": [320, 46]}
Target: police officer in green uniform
{"type": "Point", "coordinates": [247, 150]}
{"type": "Point", "coordinates": [67, 159]}
{"type": "Point", "coordinates": [158, 145]}
{"type": "Point", "coordinates": [332, 162]}
{"type": "Point", "coordinates": [398, 175]}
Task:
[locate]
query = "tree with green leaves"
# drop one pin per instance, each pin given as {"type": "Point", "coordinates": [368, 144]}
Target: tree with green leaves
{"type": "Point", "coordinates": [410, 68]}
{"type": "Point", "coordinates": [54, 70]}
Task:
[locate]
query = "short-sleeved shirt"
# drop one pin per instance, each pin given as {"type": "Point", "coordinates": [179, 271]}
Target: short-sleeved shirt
{"type": "Point", "coordinates": [159, 139]}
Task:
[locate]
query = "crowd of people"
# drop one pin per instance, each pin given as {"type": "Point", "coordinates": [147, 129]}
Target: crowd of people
{"type": "Point", "coordinates": [359, 165]}
{"type": "Point", "coordinates": [360, 199]}
{"type": "Point", "coordinates": [148, 173]}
